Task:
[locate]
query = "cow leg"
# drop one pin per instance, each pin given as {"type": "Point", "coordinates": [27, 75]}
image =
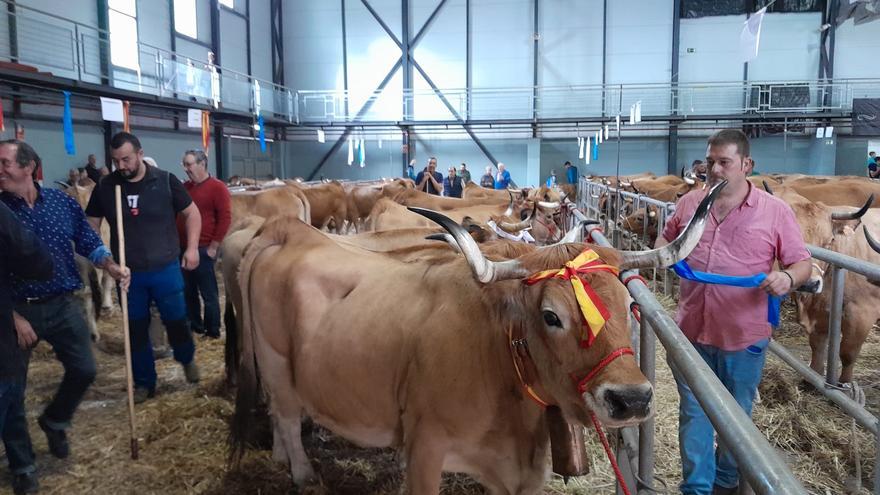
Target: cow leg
{"type": "Point", "coordinates": [425, 452]}
{"type": "Point", "coordinates": [819, 346]}
{"type": "Point", "coordinates": [286, 409]}
{"type": "Point", "coordinates": [856, 326]}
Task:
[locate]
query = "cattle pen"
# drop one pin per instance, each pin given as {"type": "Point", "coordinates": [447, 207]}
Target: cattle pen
{"type": "Point", "coordinates": [764, 469]}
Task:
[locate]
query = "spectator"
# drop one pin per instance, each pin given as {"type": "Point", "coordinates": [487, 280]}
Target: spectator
{"type": "Point", "coordinates": [50, 310]}
{"type": "Point", "coordinates": [22, 257]}
{"type": "Point", "coordinates": [728, 325]}
{"type": "Point", "coordinates": [152, 197]}
{"type": "Point", "coordinates": [452, 184]}
{"type": "Point", "coordinates": [571, 173]}
{"type": "Point", "coordinates": [410, 170]}
{"type": "Point", "coordinates": [464, 173]}
{"type": "Point", "coordinates": [72, 177]}
{"type": "Point", "coordinates": [92, 169]}
{"type": "Point", "coordinates": [502, 178]}
{"type": "Point", "coordinates": [871, 157]}
{"type": "Point", "coordinates": [551, 181]}
{"type": "Point", "coordinates": [874, 168]}
{"type": "Point", "coordinates": [698, 169]}
{"type": "Point", "coordinates": [487, 180]}
{"type": "Point", "coordinates": [211, 196]}
{"type": "Point", "coordinates": [430, 180]}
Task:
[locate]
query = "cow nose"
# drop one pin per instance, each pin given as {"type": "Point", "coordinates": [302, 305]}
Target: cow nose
{"type": "Point", "coordinates": [629, 402]}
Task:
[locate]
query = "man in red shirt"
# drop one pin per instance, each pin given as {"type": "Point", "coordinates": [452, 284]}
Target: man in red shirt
{"type": "Point", "coordinates": [746, 232]}
{"type": "Point", "coordinates": [212, 198]}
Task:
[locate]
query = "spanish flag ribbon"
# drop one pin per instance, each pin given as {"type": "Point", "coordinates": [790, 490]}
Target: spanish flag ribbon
{"type": "Point", "coordinates": [594, 312]}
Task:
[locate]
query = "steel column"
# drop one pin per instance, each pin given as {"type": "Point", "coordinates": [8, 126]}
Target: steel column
{"type": "Point", "coordinates": [407, 111]}
{"type": "Point", "coordinates": [103, 43]}
{"type": "Point", "coordinates": [278, 41]}
{"type": "Point", "coordinates": [467, 58]}
{"type": "Point", "coordinates": [215, 30]}
{"type": "Point", "coordinates": [13, 30]}
{"type": "Point", "coordinates": [247, 8]}
{"type": "Point", "coordinates": [535, 38]}
{"type": "Point", "coordinates": [344, 57]}
{"type": "Point", "coordinates": [672, 142]}
{"type": "Point", "coordinates": [838, 279]}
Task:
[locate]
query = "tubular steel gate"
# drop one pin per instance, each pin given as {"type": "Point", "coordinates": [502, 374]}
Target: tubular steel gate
{"type": "Point", "coordinates": [759, 462]}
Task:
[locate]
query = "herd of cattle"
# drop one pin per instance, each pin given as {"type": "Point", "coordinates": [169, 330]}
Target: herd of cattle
{"type": "Point", "coordinates": [398, 318]}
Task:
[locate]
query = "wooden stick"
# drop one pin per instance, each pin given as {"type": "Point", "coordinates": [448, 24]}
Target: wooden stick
{"type": "Point", "coordinates": [123, 301]}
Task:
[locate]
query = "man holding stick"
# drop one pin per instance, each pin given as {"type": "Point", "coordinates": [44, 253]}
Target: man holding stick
{"type": "Point", "coordinates": [151, 200]}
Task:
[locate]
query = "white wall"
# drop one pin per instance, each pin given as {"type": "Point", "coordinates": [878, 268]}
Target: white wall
{"type": "Point", "coordinates": [855, 50]}
{"type": "Point", "coordinates": [261, 38]}
{"type": "Point", "coordinates": [312, 40]}
{"type": "Point", "coordinates": [789, 48]}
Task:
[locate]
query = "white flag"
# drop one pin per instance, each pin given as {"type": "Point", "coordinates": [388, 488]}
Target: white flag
{"type": "Point", "coordinates": [588, 151]}
{"type": "Point", "coordinates": [606, 132]}
{"type": "Point", "coordinates": [750, 36]}
{"type": "Point", "coordinates": [320, 135]}
{"type": "Point", "coordinates": [350, 151]}
{"type": "Point", "coordinates": [599, 137]}
{"type": "Point", "coordinates": [632, 114]}
{"type": "Point", "coordinates": [617, 124]}
{"type": "Point", "coordinates": [581, 148]}
{"type": "Point", "coordinates": [638, 111]}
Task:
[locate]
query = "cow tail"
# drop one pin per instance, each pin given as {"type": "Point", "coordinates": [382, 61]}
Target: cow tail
{"type": "Point", "coordinates": [231, 349]}
{"type": "Point", "coordinates": [248, 391]}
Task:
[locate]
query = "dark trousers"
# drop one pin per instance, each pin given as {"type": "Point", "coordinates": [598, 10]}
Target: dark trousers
{"type": "Point", "coordinates": [62, 323]}
{"type": "Point", "coordinates": [13, 425]}
{"type": "Point", "coordinates": [165, 287]}
{"type": "Point", "coordinates": [202, 281]}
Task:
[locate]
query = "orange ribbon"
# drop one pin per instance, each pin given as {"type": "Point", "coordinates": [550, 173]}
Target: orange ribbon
{"type": "Point", "coordinates": [594, 312]}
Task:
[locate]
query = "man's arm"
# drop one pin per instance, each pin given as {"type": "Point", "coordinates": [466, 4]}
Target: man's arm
{"type": "Point", "coordinates": [222, 219]}
{"type": "Point", "coordinates": [781, 282]}
{"type": "Point", "coordinates": [193, 222]}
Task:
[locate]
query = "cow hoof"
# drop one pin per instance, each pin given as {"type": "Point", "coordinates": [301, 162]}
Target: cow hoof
{"type": "Point", "coordinates": [304, 476]}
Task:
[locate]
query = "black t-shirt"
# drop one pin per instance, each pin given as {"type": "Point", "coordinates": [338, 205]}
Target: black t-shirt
{"type": "Point", "coordinates": [429, 186]}
{"type": "Point", "coordinates": [149, 211]}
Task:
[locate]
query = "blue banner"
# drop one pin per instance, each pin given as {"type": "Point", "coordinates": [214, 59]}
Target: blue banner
{"type": "Point", "coordinates": [69, 145]}
{"type": "Point", "coordinates": [262, 134]}
{"type": "Point", "coordinates": [595, 150]}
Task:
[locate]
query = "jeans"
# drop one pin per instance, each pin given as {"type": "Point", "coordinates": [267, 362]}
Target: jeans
{"type": "Point", "coordinates": [62, 323]}
{"type": "Point", "coordinates": [203, 281]}
{"type": "Point", "coordinates": [165, 287]}
{"type": "Point", "coordinates": [13, 425]}
{"type": "Point", "coordinates": [702, 465]}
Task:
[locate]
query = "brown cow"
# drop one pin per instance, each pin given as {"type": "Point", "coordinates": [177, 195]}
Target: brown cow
{"type": "Point", "coordinates": [841, 192]}
{"type": "Point", "coordinates": [267, 203]}
{"type": "Point", "coordinates": [439, 384]}
{"type": "Point", "coordinates": [328, 205]}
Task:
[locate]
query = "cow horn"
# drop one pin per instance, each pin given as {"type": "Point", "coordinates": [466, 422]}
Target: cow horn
{"type": "Point", "coordinates": [855, 215]}
{"type": "Point", "coordinates": [571, 235]}
{"type": "Point", "coordinates": [514, 228]}
{"type": "Point", "coordinates": [678, 249]}
{"type": "Point", "coordinates": [549, 205]}
{"type": "Point", "coordinates": [689, 181]}
{"type": "Point", "coordinates": [485, 270]}
{"type": "Point", "coordinates": [444, 237]}
{"type": "Point", "coordinates": [871, 241]}
{"type": "Point", "coordinates": [767, 187]}
{"type": "Point", "coordinates": [509, 211]}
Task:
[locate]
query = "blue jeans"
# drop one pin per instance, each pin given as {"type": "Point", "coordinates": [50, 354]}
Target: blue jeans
{"type": "Point", "coordinates": [62, 323]}
{"type": "Point", "coordinates": [702, 466]}
{"type": "Point", "coordinates": [165, 287]}
{"type": "Point", "coordinates": [13, 425]}
{"type": "Point", "coordinates": [203, 281]}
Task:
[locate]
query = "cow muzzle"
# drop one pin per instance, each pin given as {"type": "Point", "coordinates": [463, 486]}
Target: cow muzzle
{"type": "Point", "coordinates": [623, 405]}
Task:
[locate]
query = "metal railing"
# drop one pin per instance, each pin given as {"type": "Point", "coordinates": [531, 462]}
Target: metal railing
{"type": "Point", "coordinates": [653, 316]}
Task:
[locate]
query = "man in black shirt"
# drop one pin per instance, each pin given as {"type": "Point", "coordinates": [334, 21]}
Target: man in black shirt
{"type": "Point", "coordinates": [24, 256]}
{"type": "Point", "coordinates": [430, 180]}
{"type": "Point", "coordinates": [151, 199]}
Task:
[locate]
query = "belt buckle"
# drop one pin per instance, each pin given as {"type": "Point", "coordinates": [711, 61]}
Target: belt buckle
{"type": "Point", "coordinates": [32, 300]}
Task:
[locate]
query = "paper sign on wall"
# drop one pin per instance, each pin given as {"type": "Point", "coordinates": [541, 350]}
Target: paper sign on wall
{"type": "Point", "coordinates": [194, 118]}
{"type": "Point", "coordinates": [111, 109]}
{"type": "Point", "coordinates": [820, 132]}
{"type": "Point", "coordinates": [320, 135]}
{"type": "Point", "coordinates": [829, 131]}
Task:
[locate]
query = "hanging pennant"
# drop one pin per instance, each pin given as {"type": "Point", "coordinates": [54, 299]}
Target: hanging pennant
{"type": "Point", "coordinates": [262, 133]}
{"type": "Point", "coordinates": [580, 148]}
{"type": "Point", "coordinates": [321, 138]}
{"type": "Point", "coordinates": [350, 151]}
{"type": "Point", "coordinates": [19, 132]}
{"type": "Point", "coordinates": [598, 139]}
{"type": "Point", "coordinates": [606, 132]}
{"type": "Point", "coordinates": [632, 114]}
{"type": "Point", "coordinates": [69, 145]}
{"type": "Point", "coordinates": [362, 153]}
{"type": "Point", "coordinates": [125, 109]}
{"type": "Point", "coordinates": [2, 124]}
{"type": "Point", "coordinates": [638, 111]}
{"type": "Point", "coordinates": [206, 130]}
{"type": "Point", "coordinates": [617, 124]}
{"type": "Point", "coordinates": [595, 150]}
{"type": "Point", "coordinates": [588, 149]}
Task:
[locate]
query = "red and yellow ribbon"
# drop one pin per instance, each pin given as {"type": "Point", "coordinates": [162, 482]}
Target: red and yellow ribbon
{"type": "Point", "coordinates": [594, 312]}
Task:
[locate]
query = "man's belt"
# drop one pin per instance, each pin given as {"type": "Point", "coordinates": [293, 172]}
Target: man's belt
{"type": "Point", "coordinates": [42, 299]}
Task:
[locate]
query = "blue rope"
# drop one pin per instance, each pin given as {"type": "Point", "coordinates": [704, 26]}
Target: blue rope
{"type": "Point", "coordinates": [773, 302]}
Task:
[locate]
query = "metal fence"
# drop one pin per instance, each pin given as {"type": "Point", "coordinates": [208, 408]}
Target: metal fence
{"type": "Point", "coordinates": [715, 400]}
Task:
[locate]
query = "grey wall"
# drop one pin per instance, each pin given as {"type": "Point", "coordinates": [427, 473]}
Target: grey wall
{"type": "Point", "coordinates": [48, 140]}
{"type": "Point", "coordinates": [233, 42]}
{"type": "Point", "coordinates": [261, 47]}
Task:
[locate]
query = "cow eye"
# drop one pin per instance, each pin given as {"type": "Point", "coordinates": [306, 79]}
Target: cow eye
{"type": "Point", "coordinates": [551, 319]}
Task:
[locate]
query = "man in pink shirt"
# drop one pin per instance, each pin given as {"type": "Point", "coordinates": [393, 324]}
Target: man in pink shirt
{"type": "Point", "coordinates": [746, 232]}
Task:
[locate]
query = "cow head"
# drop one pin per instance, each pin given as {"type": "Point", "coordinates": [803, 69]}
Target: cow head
{"type": "Point", "coordinates": [578, 368]}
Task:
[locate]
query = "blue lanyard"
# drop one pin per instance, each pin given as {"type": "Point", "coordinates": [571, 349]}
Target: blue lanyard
{"type": "Point", "coordinates": [773, 302]}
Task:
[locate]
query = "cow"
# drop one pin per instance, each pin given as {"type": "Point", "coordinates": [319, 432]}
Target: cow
{"type": "Point", "coordinates": [362, 199]}
{"type": "Point", "coordinates": [841, 192]}
{"type": "Point", "coordinates": [266, 203]}
{"type": "Point", "coordinates": [328, 204]}
{"type": "Point", "coordinates": [423, 355]}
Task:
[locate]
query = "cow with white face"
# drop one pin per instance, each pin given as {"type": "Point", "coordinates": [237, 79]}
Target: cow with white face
{"type": "Point", "coordinates": [442, 385]}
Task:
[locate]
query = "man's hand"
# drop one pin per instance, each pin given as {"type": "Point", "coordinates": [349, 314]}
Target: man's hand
{"type": "Point", "coordinates": [190, 259]}
{"type": "Point", "coordinates": [27, 338]}
{"type": "Point", "coordinates": [777, 283]}
{"type": "Point", "coordinates": [120, 274]}
{"type": "Point", "coordinates": [212, 251]}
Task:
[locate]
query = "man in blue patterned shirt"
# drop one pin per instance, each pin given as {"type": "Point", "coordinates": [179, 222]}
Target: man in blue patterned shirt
{"type": "Point", "coordinates": [49, 310]}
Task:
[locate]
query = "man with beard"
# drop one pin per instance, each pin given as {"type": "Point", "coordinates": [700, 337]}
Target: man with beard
{"type": "Point", "coordinates": [151, 199]}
